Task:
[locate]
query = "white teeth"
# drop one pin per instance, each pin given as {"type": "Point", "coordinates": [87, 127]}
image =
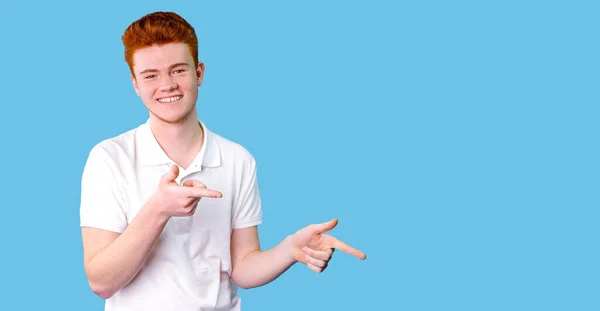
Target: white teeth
{"type": "Point", "coordinates": [169, 99]}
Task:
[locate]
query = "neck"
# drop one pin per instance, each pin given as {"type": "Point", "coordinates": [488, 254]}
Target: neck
{"type": "Point", "coordinates": [181, 141]}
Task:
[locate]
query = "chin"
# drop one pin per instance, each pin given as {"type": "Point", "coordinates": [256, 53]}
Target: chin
{"type": "Point", "coordinates": [173, 118]}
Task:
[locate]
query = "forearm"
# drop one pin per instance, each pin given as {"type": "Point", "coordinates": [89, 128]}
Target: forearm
{"type": "Point", "coordinates": [262, 267]}
{"type": "Point", "coordinates": [117, 264]}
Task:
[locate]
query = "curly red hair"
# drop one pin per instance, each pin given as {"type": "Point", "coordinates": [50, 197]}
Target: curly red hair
{"type": "Point", "coordinates": [158, 28]}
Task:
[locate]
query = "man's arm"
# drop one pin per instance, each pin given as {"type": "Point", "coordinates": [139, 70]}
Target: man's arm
{"type": "Point", "coordinates": [252, 267]}
{"type": "Point", "coordinates": [111, 259]}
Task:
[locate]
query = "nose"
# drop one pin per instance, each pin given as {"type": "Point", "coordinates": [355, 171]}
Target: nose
{"type": "Point", "coordinates": [168, 86]}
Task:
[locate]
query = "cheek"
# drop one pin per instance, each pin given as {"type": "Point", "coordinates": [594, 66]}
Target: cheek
{"type": "Point", "coordinates": [187, 83]}
{"type": "Point", "coordinates": [146, 91]}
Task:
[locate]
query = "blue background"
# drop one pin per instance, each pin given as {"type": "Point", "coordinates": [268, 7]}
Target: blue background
{"type": "Point", "coordinates": [456, 141]}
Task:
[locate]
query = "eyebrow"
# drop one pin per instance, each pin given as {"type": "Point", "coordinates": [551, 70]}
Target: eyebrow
{"type": "Point", "coordinates": [170, 67]}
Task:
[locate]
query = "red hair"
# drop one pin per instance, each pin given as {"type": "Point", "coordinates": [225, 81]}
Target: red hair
{"type": "Point", "coordinates": [159, 28]}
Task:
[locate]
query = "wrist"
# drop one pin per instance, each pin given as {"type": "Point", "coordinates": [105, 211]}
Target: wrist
{"type": "Point", "coordinates": [290, 250]}
{"type": "Point", "coordinates": [153, 210]}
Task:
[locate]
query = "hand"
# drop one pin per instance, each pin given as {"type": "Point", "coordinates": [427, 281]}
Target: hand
{"type": "Point", "coordinates": [171, 199]}
{"type": "Point", "coordinates": [313, 247]}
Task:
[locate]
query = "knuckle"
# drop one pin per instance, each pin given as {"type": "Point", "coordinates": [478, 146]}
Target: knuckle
{"type": "Point", "coordinates": [189, 211]}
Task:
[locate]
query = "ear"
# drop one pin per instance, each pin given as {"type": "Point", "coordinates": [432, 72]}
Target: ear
{"type": "Point", "coordinates": [200, 72]}
{"type": "Point", "coordinates": [135, 85]}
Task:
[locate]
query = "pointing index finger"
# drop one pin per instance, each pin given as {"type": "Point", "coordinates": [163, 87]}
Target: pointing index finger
{"type": "Point", "coordinates": [335, 243]}
{"type": "Point", "coordinates": [194, 183]}
{"type": "Point", "coordinates": [199, 192]}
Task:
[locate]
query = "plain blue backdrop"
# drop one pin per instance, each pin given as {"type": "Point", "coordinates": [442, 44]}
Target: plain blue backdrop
{"type": "Point", "coordinates": [456, 141]}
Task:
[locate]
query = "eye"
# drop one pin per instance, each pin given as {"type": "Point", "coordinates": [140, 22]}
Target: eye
{"type": "Point", "coordinates": [178, 70]}
{"type": "Point", "coordinates": [149, 77]}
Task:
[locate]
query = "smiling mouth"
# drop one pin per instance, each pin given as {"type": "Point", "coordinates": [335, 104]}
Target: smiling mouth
{"type": "Point", "coordinates": [169, 99]}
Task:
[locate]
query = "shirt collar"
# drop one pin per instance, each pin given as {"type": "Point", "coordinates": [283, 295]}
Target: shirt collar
{"type": "Point", "coordinates": [151, 153]}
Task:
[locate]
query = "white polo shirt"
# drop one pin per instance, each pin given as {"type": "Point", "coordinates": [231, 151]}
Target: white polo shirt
{"type": "Point", "coordinates": [190, 266]}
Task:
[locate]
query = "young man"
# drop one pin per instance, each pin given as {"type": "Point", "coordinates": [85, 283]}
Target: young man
{"type": "Point", "coordinates": [169, 210]}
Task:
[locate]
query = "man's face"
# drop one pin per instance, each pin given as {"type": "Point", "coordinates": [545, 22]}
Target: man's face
{"type": "Point", "coordinates": [167, 81]}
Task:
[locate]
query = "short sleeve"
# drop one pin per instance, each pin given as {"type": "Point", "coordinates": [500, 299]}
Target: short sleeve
{"type": "Point", "coordinates": [102, 204]}
{"type": "Point", "coordinates": [248, 210]}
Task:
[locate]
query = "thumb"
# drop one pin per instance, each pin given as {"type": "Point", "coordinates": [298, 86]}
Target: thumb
{"type": "Point", "coordinates": [326, 226]}
{"type": "Point", "coordinates": [171, 175]}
